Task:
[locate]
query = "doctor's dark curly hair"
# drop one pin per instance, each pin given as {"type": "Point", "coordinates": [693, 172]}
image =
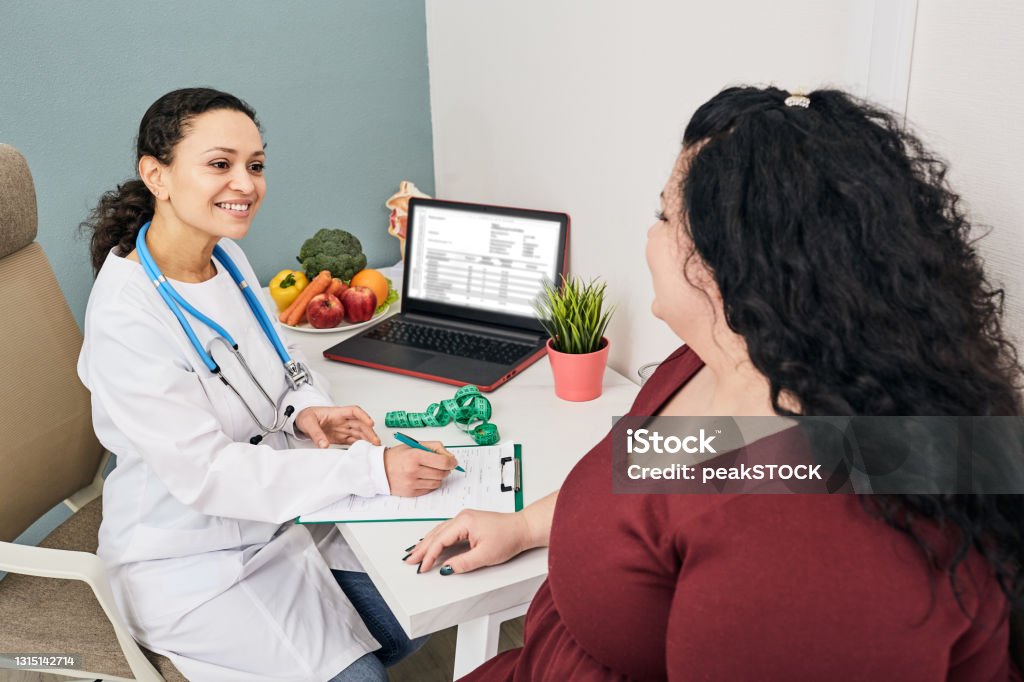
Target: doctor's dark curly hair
{"type": "Point", "coordinates": [122, 211]}
{"type": "Point", "coordinates": [845, 261]}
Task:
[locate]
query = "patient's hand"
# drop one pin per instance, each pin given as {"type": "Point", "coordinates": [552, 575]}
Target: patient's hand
{"type": "Point", "coordinates": [493, 539]}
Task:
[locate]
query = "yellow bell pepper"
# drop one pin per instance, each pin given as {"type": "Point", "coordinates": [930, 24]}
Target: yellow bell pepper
{"type": "Point", "coordinates": [286, 287]}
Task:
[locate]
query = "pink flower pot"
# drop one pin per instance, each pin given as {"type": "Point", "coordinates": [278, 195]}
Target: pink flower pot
{"type": "Point", "coordinates": [578, 376]}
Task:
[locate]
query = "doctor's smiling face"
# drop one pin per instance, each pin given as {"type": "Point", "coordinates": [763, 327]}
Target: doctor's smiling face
{"type": "Point", "coordinates": [214, 183]}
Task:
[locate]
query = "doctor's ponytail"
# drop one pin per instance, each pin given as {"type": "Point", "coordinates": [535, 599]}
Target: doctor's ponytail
{"type": "Point", "coordinates": [116, 220]}
{"type": "Point", "coordinates": [121, 212]}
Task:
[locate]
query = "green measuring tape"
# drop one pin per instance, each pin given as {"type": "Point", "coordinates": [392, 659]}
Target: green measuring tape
{"type": "Point", "coordinates": [468, 409]}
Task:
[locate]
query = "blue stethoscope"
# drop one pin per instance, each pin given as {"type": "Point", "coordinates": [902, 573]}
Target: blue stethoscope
{"type": "Point", "coordinates": [296, 373]}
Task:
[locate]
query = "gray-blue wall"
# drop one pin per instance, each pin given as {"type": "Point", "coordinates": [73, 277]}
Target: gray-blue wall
{"type": "Point", "coordinates": [341, 88]}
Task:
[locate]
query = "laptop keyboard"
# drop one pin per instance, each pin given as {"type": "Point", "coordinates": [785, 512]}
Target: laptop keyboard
{"type": "Point", "coordinates": [450, 342]}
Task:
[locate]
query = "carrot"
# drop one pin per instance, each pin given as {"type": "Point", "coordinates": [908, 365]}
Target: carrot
{"type": "Point", "coordinates": [336, 287]}
{"type": "Point", "coordinates": [294, 313]}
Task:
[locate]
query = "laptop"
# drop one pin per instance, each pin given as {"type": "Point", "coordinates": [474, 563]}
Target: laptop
{"type": "Point", "coordinates": [472, 275]}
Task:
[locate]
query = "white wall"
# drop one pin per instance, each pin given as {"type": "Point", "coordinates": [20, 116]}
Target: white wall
{"type": "Point", "coordinates": [581, 106]}
{"type": "Point", "coordinates": [966, 100]}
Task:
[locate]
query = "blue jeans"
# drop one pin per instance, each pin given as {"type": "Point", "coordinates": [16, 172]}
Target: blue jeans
{"type": "Point", "coordinates": [365, 669]}
{"type": "Point", "coordinates": [382, 624]}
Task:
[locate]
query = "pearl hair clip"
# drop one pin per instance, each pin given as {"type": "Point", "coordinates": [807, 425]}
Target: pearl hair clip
{"type": "Point", "coordinates": [798, 99]}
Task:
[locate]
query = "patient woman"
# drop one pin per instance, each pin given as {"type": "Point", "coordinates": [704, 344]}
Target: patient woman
{"type": "Point", "coordinates": [814, 259]}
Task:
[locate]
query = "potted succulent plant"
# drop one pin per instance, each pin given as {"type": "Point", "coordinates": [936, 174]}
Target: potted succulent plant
{"type": "Point", "coordinates": [574, 316]}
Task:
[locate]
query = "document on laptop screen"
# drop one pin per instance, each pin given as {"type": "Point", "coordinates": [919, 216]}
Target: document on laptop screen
{"type": "Point", "coordinates": [481, 260]}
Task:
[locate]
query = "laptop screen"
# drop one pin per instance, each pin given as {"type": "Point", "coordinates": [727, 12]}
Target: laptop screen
{"type": "Point", "coordinates": [480, 259]}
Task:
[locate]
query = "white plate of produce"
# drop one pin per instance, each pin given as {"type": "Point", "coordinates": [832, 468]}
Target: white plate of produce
{"type": "Point", "coordinates": [343, 327]}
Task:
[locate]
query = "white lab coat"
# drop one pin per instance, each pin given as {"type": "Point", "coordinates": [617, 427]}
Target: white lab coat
{"type": "Point", "coordinates": [206, 564]}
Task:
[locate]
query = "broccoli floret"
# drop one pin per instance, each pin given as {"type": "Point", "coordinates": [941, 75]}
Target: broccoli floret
{"type": "Point", "coordinates": [335, 250]}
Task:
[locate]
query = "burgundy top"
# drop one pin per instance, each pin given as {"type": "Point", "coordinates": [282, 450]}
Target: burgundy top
{"type": "Point", "coordinates": [736, 587]}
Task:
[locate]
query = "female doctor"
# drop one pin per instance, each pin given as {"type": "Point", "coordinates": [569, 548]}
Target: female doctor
{"type": "Point", "coordinates": [219, 450]}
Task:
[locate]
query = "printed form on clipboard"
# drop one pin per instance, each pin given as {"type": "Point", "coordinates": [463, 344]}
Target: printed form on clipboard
{"type": "Point", "coordinates": [492, 482]}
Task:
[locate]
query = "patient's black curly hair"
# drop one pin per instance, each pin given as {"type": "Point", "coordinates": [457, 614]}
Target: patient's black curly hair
{"type": "Point", "coordinates": [846, 262]}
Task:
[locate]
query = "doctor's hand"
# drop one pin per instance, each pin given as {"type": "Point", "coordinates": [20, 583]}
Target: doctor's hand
{"type": "Point", "coordinates": [413, 472]}
{"type": "Point", "coordinates": [338, 425]}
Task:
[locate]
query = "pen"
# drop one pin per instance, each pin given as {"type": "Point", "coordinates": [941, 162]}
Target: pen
{"type": "Point", "coordinates": [413, 443]}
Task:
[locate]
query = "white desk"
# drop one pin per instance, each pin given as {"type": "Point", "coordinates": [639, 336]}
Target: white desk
{"type": "Point", "coordinates": [554, 434]}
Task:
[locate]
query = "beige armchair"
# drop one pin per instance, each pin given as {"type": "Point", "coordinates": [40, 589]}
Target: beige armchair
{"type": "Point", "coordinates": [56, 599]}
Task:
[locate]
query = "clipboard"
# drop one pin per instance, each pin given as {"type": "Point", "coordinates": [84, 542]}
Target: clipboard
{"type": "Point", "coordinates": [441, 504]}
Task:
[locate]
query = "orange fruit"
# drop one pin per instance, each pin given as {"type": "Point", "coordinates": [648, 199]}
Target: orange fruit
{"type": "Point", "coordinates": [375, 281]}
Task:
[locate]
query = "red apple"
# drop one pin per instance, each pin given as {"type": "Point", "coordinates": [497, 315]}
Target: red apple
{"type": "Point", "coordinates": [359, 302]}
{"type": "Point", "coordinates": [324, 311]}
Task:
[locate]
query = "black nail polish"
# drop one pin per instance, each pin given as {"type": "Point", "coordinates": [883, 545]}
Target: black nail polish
{"type": "Point", "coordinates": [410, 548]}
{"type": "Point", "coordinates": [447, 570]}
{"type": "Point", "coordinates": [407, 556]}
{"type": "Point", "coordinates": [419, 566]}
